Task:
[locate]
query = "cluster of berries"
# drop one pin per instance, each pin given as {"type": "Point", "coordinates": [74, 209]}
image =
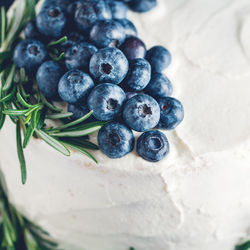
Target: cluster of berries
{"type": "Point", "coordinates": [106, 69]}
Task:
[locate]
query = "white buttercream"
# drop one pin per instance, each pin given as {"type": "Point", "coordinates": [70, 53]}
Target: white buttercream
{"type": "Point", "coordinates": [198, 197]}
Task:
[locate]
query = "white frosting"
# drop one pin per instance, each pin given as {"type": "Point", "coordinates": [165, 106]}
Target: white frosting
{"type": "Point", "coordinates": [198, 197]}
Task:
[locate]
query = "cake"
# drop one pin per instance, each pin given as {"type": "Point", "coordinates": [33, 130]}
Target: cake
{"type": "Point", "coordinates": [197, 198]}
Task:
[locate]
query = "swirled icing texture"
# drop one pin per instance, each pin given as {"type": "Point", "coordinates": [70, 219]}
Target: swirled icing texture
{"type": "Point", "coordinates": [198, 197]}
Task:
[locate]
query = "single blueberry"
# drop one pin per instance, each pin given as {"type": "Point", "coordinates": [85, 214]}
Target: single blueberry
{"type": "Point", "coordinates": [115, 140]}
{"type": "Point", "coordinates": [89, 12]}
{"type": "Point", "coordinates": [60, 3]}
{"type": "Point", "coordinates": [152, 146]}
{"type": "Point", "coordinates": [47, 77]}
{"type": "Point", "coordinates": [159, 86]}
{"type": "Point", "coordinates": [159, 58]}
{"type": "Point", "coordinates": [141, 112]}
{"type": "Point", "coordinates": [106, 101]}
{"type": "Point", "coordinates": [78, 56]}
{"type": "Point", "coordinates": [74, 86]}
{"type": "Point", "coordinates": [31, 31]}
{"type": "Point", "coordinates": [138, 76]}
{"type": "Point", "coordinates": [142, 5]}
{"type": "Point", "coordinates": [108, 65]}
{"type": "Point", "coordinates": [30, 54]}
{"type": "Point", "coordinates": [129, 27]}
{"type": "Point", "coordinates": [118, 9]}
{"type": "Point", "coordinates": [72, 38]}
{"type": "Point", "coordinates": [107, 33]}
{"type": "Point", "coordinates": [133, 47]}
{"type": "Point", "coordinates": [130, 95]}
{"type": "Point", "coordinates": [172, 113]}
{"type": "Point", "coordinates": [79, 111]}
{"type": "Point", "coordinates": [51, 22]}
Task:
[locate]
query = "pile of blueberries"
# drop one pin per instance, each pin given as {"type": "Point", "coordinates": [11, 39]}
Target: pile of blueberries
{"type": "Point", "coordinates": [106, 69]}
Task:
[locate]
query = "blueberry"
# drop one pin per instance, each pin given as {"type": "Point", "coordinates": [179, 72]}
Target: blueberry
{"type": "Point", "coordinates": [106, 101]}
{"type": "Point", "coordinates": [31, 31]}
{"type": "Point", "coordinates": [78, 56]}
{"type": "Point", "coordinates": [108, 65]}
{"type": "Point", "coordinates": [141, 112]}
{"type": "Point", "coordinates": [142, 5]}
{"type": "Point", "coordinates": [72, 7]}
{"type": "Point", "coordinates": [107, 33]}
{"type": "Point", "coordinates": [60, 3]}
{"type": "Point", "coordinates": [159, 86]}
{"type": "Point", "coordinates": [116, 140]}
{"type": "Point", "coordinates": [159, 58]}
{"type": "Point", "coordinates": [130, 95]}
{"type": "Point", "coordinates": [133, 47]}
{"type": "Point", "coordinates": [118, 9]}
{"type": "Point", "coordinates": [129, 27]}
{"type": "Point", "coordinates": [79, 111]}
{"type": "Point", "coordinates": [72, 38]}
{"type": "Point", "coordinates": [51, 22]}
{"type": "Point", "coordinates": [47, 77]}
{"type": "Point", "coordinates": [152, 146]}
{"type": "Point", "coordinates": [138, 75]}
{"type": "Point", "coordinates": [30, 54]}
{"type": "Point", "coordinates": [172, 113]}
{"type": "Point", "coordinates": [74, 86]}
{"type": "Point", "coordinates": [89, 12]}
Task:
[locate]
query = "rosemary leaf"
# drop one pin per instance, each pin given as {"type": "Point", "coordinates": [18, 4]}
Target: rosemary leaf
{"type": "Point", "coordinates": [53, 142]}
{"type": "Point", "coordinates": [29, 132]}
{"type": "Point", "coordinates": [9, 96]}
{"type": "Point", "coordinates": [59, 116]}
{"type": "Point", "coordinates": [3, 24]}
{"type": "Point", "coordinates": [81, 150]}
{"type": "Point", "coordinates": [2, 116]}
{"type": "Point", "coordinates": [57, 58]}
{"type": "Point", "coordinates": [5, 55]}
{"type": "Point", "coordinates": [10, 78]}
{"type": "Point", "coordinates": [49, 105]}
{"type": "Point", "coordinates": [244, 246]}
{"type": "Point", "coordinates": [71, 124]}
{"type": "Point", "coordinates": [20, 153]}
{"type": "Point", "coordinates": [80, 142]}
{"type": "Point", "coordinates": [61, 40]}
{"type": "Point", "coordinates": [15, 112]}
{"type": "Point", "coordinates": [79, 131]}
{"type": "Point", "coordinates": [23, 102]}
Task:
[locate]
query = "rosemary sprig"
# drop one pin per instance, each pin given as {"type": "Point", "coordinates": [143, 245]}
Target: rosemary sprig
{"type": "Point", "coordinates": [29, 111]}
{"type": "Point", "coordinates": [243, 246]}
{"type": "Point", "coordinates": [16, 231]}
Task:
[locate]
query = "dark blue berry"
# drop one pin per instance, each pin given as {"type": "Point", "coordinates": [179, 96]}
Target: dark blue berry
{"type": "Point", "coordinates": [47, 77]}
{"type": "Point", "coordinates": [74, 86]}
{"type": "Point", "coordinates": [115, 140]}
{"type": "Point", "coordinates": [172, 113]}
{"type": "Point", "coordinates": [78, 56]}
{"type": "Point", "coordinates": [72, 7]}
{"type": "Point", "coordinates": [142, 5]}
{"type": "Point", "coordinates": [79, 111]}
{"type": "Point", "coordinates": [106, 100]}
{"type": "Point", "coordinates": [141, 112]}
{"type": "Point", "coordinates": [51, 22]}
{"type": "Point", "coordinates": [60, 3]}
{"type": "Point", "coordinates": [152, 146]}
{"type": "Point", "coordinates": [138, 75]}
{"type": "Point", "coordinates": [118, 9]}
{"type": "Point", "coordinates": [133, 47]}
{"type": "Point", "coordinates": [30, 54]}
{"type": "Point", "coordinates": [107, 33]}
{"type": "Point", "coordinates": [89, 12]}
{"type": "Point", "coordinates": [159, 58]}
{"type": "Point", "coordinates": [72, 38]}
{"type": "Point", "coordinates": [159, 86]}
{"type": "Point", "coordinates": [31, 31]}
{"type": "Point", "coordinates": [130, 95]}
{"type": "Point", "coordinates": [129, 27]}
{"type": "Point", "coordinates": [108, 65]}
